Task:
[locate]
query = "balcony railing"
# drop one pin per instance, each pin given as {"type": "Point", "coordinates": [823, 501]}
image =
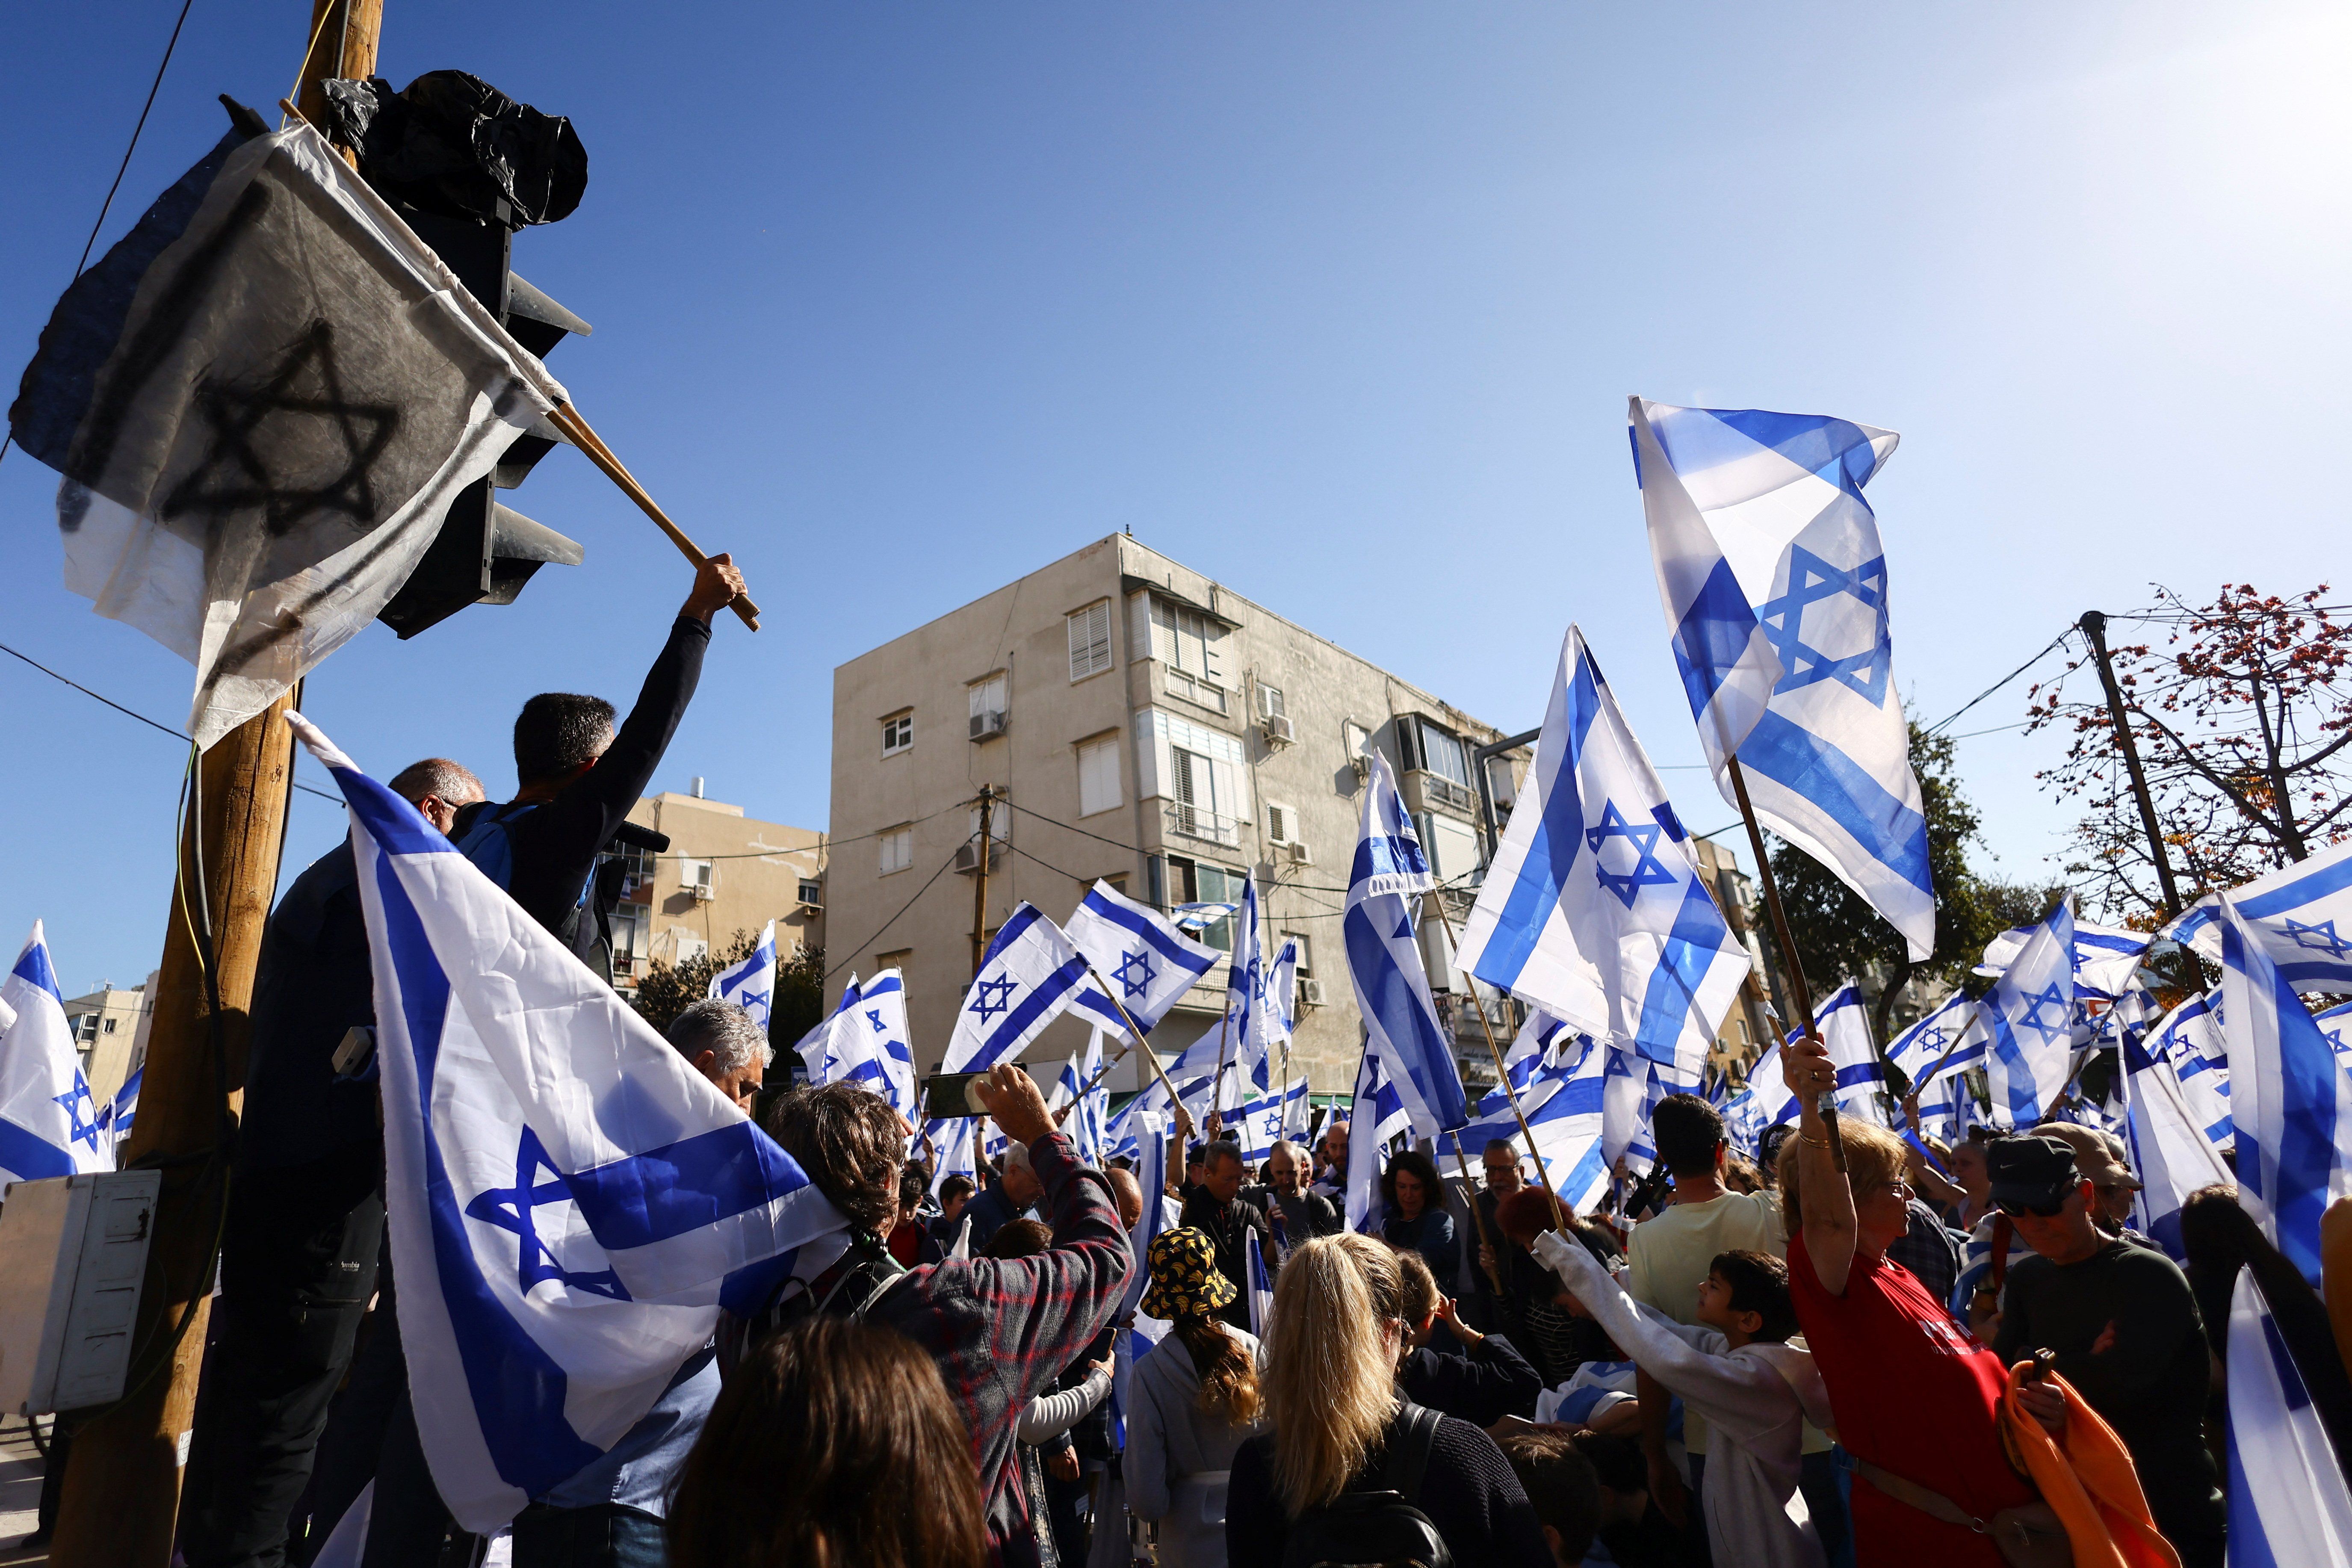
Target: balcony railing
{"type": "Point", "coordinates": [1198, 822]}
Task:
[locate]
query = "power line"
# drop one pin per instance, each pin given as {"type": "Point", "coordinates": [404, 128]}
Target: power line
{"type": "Point", "coordinates": [894, 920]}
{"type": "Point", "coordinates": [1945, 724]}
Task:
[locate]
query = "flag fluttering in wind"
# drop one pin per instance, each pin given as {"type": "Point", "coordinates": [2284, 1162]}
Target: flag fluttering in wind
{"type": "Point", "coordinates": [122, 1113]}
{"type": "Point", "coordinates": [752, 985]}
{"type": "Point", "coordinates": [2288, 1502]}
{"type": "Point", "coordinates": [570, 1202]}
{"type": "Point", "coordinates": [1378, 1115]}
{"type": "Point", "coordinates": [1384, 962]}
{"type": "Point", "coordinates": [1264, 1120]}
{"type": "Point", "coordinates": [865, 1041]}
{"type": "Point", "coordinates": [1030, 974]}
{"type": "Point", "coordinates": [2189, 1037]}
{"type": "Point", "coordinates": [2030, 1015]}
{"type": "Point", "coordinates": [2300, 914]}
{"type": "Point", "coordinates": [1562, 1100]}
{"type": "Point", "coordinates": [2290, 1103]}
{"type": "Point", "coordinates": [1594, 908]}
{"type": "Point", "coordinates": [48, 1124]}
{"type": "Point", "coordinates": [1137, 951]}
{"type": "Point", "coordinates": [264, 400]}
{"type": "Point", "coordinates": [2170, 1150]}
{"type": "Point", "coordinates": [1844, 1024]}
{"type": "Point", "coordinates": [1951, 1039]}
{"type": "Point", "coordinates": [1775, 588]}
{"type": "Point", "coordinates": [2105, 957]}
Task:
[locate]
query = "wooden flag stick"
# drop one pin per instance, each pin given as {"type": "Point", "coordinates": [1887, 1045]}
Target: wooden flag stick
{"type": "Point", "coordinates": [1140, 1043]}
{"type": "Point", "coordinates": [1125, 1051]}
{"type": "Point", "coordinates": [1502, 1074]}
{"type": "Point", "coordinates": [567, 419]}
{"type": "Point", "coordinates": [1787, 945]}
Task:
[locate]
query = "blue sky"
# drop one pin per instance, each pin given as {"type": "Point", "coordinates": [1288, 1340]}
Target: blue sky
{"type": "Point", "coordinates": [1339, 304]}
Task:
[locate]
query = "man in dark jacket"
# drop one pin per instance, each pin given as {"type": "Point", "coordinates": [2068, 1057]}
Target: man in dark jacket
{"type": "Point", "coordinates": [578, 780]}
{"type": "Point", "coordinates": [1218, 1208]}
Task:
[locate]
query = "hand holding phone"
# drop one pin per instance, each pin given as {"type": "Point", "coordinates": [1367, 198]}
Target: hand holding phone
{"type": "Point", "coordinates": [1011, 1097]}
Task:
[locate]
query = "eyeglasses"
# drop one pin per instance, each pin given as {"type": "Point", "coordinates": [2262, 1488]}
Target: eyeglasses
{"type": "Point", "coordinates": [2019, 1211]}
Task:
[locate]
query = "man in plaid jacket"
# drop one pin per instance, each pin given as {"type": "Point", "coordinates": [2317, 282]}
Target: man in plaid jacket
{"type": "Point", "coordinates": [1001, 1329]}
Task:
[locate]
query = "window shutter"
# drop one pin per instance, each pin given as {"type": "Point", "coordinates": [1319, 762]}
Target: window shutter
{"type": "Point", "coordinates": [1097, 777]}
{"type": "Point", "coordinates": [1279, 827]}
{"type": "Point", "coordinates": [1090, 640]}
{"type": "Point", "coordinates": [1139, 625]}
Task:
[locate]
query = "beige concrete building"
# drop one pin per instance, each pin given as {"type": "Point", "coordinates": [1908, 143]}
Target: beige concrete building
{"type": "Point", "coordinates": [1151, 727]}
{"type": "Point", "coordinates": [723, 872]}
{"type": "Point", "coordinates": [106, 1033]}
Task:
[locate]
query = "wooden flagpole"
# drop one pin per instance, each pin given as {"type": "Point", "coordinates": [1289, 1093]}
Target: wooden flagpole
{"type": "Point", "coordinates": [1787, 945]}
{"type": "Point", "coordinates": [1502, 1074]}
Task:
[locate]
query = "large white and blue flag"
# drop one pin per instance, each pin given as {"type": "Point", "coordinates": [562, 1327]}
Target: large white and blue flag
{"type": "Point", "coordinates": [2290, 1103]}
{"type": "Point", "coordinates": [867, 1040]}
{"type": "Point", "coordinates": [1950, 1039]}
{"type": "Point", "coordinates": [1029, 974]}
{"type": "Point", "coordinates": [2105, 957]}
{"type": "Point", "coordinates": [2170, 1150]}
{"type": "Point", "coordinates": [1594, 908]}
{"type": "Point", "coordinates": [1384, 961]}
{"type": "Point", "coordinates": [1630, 1088]}
{"type": "Point", "coordinates": [2190, 1038]}
{"type": "Point", "coordinates": [1264, 1119]}
{"type": "Point", "coordinates": [1079, 1088]}
{"type": "Point", "coordinates": [49, 1122]}
{"type": "Point", "coordinates": [2288, 1502]}
{"type": "Point", "coordinates": [1843, 1024]}
{"type": "Point", "coordinates": [571, 1203]}
{"type": "Point", "coordinates": [2337, 1025]}
{"type": "Point", "coordinates": [2302, 915]}
{"type": "Point", "coordinates": [1775, 588]}
{"type": "Point", "coordinates": [1252, 1037]}
{"type": "Point", "coordinates": [1377, 1114]}
{"type": "Point", "coordinates": [1140, 953]}
{"type": "Point", "coordinates": [2029, 1014]}
{"type": "Point", "coordinates": [752, 985]}
{"type": "Point", "coordinates": [1278, 1019]}
{"type": "Point", "coordinates": [1561, 1099]}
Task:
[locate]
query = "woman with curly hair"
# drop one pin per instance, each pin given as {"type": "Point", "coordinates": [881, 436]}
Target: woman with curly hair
{"type": "Point", "coordinates": [1416, 1214]}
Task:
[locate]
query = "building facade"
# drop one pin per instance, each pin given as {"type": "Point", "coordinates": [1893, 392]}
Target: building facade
{"type": "Point", "coordinates": [1147, 726]}
{"type": "Point", "coordinates": [106, 1036]}
{"type": "Point", "coordinates": [723, 872]}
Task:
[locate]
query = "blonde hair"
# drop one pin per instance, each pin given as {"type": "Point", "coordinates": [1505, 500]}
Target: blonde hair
{"type": "Point", "coordinates": [1872, 1155]}
{"type": "Point", "coordinates": [1331, 1382]}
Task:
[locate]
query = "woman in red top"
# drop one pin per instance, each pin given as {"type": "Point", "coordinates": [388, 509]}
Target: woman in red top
{"type": "Point", "coordinates": [1915, 1394]}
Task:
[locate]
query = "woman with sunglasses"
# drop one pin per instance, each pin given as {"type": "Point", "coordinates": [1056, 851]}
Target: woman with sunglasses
{"type": "Point", "coordinates": [1916, 1397]}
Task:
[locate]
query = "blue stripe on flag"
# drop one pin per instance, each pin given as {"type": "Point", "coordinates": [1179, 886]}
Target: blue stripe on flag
{"type": "Point", "coordinates": [29, 1155]}
{"type": "Point", "coordinates": [517, 1388]}
{"type": "Point", "coordinates": [1887, 830]}
{"type": "Point", "coordinates": [1010, 933]}
{"type": "Point", "coordinates": [1150, 930]}
{"type": "Point", "coordinates": [682, 1186]}
{"type": "Point", "coordinates": [2329, 878]}
{"type": "Point", "coordinates": [1716, 627]}
{"type": "Point", "coordinates": [2305, 1091]}
{"type": "Point", "coordinates": [1536, 892]}
{"type": "Point", "coordinates": [1055, 987]}
{"type": "Point", "coordinates": [398, 828]}
{"type": "Point", "coordinates": [33, 967]}
{"type": "Point", "coordinates": [1690, 951]}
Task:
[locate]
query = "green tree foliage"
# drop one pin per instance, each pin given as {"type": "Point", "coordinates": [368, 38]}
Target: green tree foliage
{"type": "Point", "coordinates": [1841, 938]}
{"type": "Point", "coordinates": [799, 998]}
{"type": "Point", "coordinates": [670, 989]}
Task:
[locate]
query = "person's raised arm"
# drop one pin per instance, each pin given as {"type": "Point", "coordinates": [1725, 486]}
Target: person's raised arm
{"type": "Point", "coordinates": [1828, 1222]}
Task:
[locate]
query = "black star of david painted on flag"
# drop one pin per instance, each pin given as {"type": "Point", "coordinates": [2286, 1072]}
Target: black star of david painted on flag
{"type": "Point", "coordinates": [510, 1209]}
{"type": "Point", "coordinates": [2048, 996]}
{"type": "Point", "coordinates": [2320, 938]}
{"type": "Point", "coordinates": [990, 998]}
{"type": "Point", "coordinates": [1648, 870]}
{"type": "Point", "coordinates": [1131, 965]}
{"type": "Point", "coordinates": [247, 467]}
{"type": "Point", "coordinates": [75, 1101]}
{"type": "Point", "coordinates": [1813, 581]}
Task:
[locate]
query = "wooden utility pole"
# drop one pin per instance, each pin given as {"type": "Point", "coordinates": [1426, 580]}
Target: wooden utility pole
{"type": "Point", "coordinates": [986, 841]}
{"type": "Point", "coordinates": [2094, 627]}
{"type": "Point", "coordinates": [121, 1496]}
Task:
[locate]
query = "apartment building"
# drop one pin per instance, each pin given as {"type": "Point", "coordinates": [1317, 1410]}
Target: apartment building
{"type": "Point", "coordinates": [106, 1035]}
{"type": "Point", "coordinates": [723, 872]}
{"type": "Point", "coordinates": [1149, 726]}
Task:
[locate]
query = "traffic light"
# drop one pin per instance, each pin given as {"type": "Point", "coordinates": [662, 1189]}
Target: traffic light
{"type": "Point", "coordinates": [485, 552]}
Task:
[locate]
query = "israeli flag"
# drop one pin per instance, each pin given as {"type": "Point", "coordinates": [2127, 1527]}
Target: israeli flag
{"type": "Point", "coordinates": [868, 1041]}
{"type": "Point", "coordinates": [1594, 908]}
{"type": "Point", "coordinates": [1378, 1114]}
{"type": "Point", "coordinates": [1562, 1100]}
{"type": "Point", "coordinates": [1843, 1024]}
{"type": "Point", "coordinates": [1160, 1215]}
{"type": "Point", "coordinates": [834, 1049]}
{"type": "Point", "coordinates": [1030, 974]}
{"type": "Point", "coordinates": [1260, 1290]}
{"type": "Point", "coordinates": [2302, 915]}
{"type": "Point", "coordinates": [1264, 1119]}
{"type": "Point", "coordinates": [950, 1138]}
{"type": "Point", "coordinates": [1948, 1040]}
{"type": "Point", "coordinates": [1384, 961]}
{"type": "Point", "coordinates": [1775, 586]}
{"type": "Point", "coordinates": [116, 1119]}
{"type": "Point", "coordinates": [2029, 1012]}
{"type": "Point", "coordinates": [1946, 1108]}
{"type": "Point", "coordinates": [1201, 916]}
{"type": "Point", "coordinates": [2170, 1150]}
{"type": "Point", "coordinates": [752, 985]}
{"type": "Point", "coordinates": [1090, 1108]}
{"type": "Point", "coordinates": [2105, 957]}
{"type": "Point", "coordinates": [1743, 1119]}
{"type": "Point", "coordinates": [48, 1124]}
{"type": "Point", "coordinates": [2337, 1025]}
{"type": "Point", "coordinates": [569, 1202]}
{"type": "Point", "coordinates": [2291, 1104]}
{"type": "Point", "coordinates": [1277, 1020]}
{"type": "Point", "coordinates": [2288, 1502]}
{"type": "Point", "coordinates": [1630, 1092]}
{"type": "Point", "coordinates": [1140, 952]}
{"type": "Point", "coordinates": [1252, 1066]}
{"type": "Point", "coordinates": [2191, 1039]}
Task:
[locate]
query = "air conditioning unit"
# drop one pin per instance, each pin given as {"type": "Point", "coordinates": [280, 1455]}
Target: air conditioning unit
{"type": "Point", "coordinates": [968, 857]}
{"type": "Point", "coordinates": [704, 882]}
{"type": "Point", "coordinates": [987, 726]}
{"type": "Point", "coordinates": [811, 906]}
{"type": "Point", "coordinates": [704, 893]}
{"type": "Point", "coordinates": [1279, 730]}
{"type": "Point", "coordinates": [1300, 855]}
{"type": "Point", "coordinates": [1310, 991]}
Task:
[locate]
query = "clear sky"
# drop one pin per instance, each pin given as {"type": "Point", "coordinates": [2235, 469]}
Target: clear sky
{"type": "Point", "coordinates": [1339, 304]}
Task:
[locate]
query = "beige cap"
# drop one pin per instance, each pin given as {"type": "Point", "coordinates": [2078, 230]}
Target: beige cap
{"type": "Point", "coordinates": [2094, 1154]}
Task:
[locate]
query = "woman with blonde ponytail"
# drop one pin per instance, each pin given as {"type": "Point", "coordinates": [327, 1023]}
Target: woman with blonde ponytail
{"type": "Point", "coordinates": [1336, 1335]}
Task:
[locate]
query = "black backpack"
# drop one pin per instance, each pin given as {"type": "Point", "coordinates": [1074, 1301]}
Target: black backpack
{"type": "Point", "coordinates": [1384, 1528]}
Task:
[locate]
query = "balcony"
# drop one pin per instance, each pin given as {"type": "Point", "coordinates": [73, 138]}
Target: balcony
{"type": "Point", "coordinates": [1198, 822]}
{"type": "Point", "coordinates": [1192, 689]}
{"type": "Point", "coordinates": [1425, 791]}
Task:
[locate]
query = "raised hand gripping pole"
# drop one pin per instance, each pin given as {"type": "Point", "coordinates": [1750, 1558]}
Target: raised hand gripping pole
{"type": "Point", "coordinates": [567, 419]}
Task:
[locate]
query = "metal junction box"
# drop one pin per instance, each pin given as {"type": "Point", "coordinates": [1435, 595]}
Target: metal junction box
{"type": "Point", "coordinates": [73, 1255]}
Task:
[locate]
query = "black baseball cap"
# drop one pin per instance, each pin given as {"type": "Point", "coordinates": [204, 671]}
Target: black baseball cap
{"type": "Point", "coordinates": [2034, 1174]}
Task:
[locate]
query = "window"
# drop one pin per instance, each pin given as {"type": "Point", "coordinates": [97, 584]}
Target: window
{"type": "Point", "coordinates": [1306, 951]}
{"type": "Point", "coordinates": [1202, 775]}
{"type": "Point", "coordinates": [108, 1028]}
{"type": "Point", "coordinates": [1281, 824]}
{"type": "Point", "coordinates": [897, 732]}
{"type": "Point", "coordinates": [637, 872]}
{"type": "Point", "coordinates": [1189, 646]}
{"type": "Point", "coordinates": [1090, 640]}
{"type": "Point", "coordinates": [629, 924]}
{"type": "Point", "coordinates": [987, 697]}
{"type": "Point", "coordinates": [1427, 747]}
{"type": "Point", "coordinates": [699, 876]}
{"type": "Point", "coordinates": [1269, 702]}
{"type": "Point", "coordinates": [811, 892]}
{"type": "Point", "coordinates": [85, 1029]}
{"type": "Point", "coordinates": [898, 849]}
{"type": "Point", "coordinates": [1359, 739]}
{"type": "Point", "coordinates": [1098, 775]}
{"type": "Point", "coordinates": [1197, 882]}
{"type": "Point", "coordinates": [689, 948]}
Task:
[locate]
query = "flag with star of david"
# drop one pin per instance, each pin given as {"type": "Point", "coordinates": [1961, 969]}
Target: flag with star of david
{"type": "Point", "coordinates": [865, 1041]}
{"type": "Point", "coordinates": [2302, 914]}
{"type": "Point", "coordinates": [2290, 1103]}
{"type": "Point", "coordinates": [750, 985]}
{"type": "Point", "coordinates": [1594, 908]}
{"type": "Point", "coordinates": [570, 1204]}
{"type": "Point", "coordinates": [263, 401]}
{"type": "Point", "coordinates": [1140, 953]}
{"type": "Point", "coordinates": [1774, 583]}
{"type": "Point", "coordinates": [1951, 1039]}
{"type": "Point", "coordinates": [48, 1124]}
{"type": "Point", "coordinates": [2030, 1015]}
{"type": "Point", "coordinates": [1030, 974]}
{"type": "Point", "coordinates": [2105, 957]}
{"type": "Point", "coordinates": [1385, 882]}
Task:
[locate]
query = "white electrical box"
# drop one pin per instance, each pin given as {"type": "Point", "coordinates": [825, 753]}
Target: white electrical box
{"type": "Point", "coordinates": [73, 1255]}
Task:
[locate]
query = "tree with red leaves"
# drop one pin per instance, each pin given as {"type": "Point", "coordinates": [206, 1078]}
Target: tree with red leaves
{"type": "Point", "coordinates": [2243, 719]}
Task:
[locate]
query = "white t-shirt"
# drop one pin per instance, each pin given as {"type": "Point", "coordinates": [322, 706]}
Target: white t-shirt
{"type": "Point", "coordinates": [1668, 1260]}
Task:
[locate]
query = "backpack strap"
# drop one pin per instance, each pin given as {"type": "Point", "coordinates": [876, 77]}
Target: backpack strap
{"type": "Point", "coordinates": [1411, 1440]}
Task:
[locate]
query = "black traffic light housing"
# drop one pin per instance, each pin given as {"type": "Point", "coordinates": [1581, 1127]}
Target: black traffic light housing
{"type": "Point", "coordinates": [485, 552]}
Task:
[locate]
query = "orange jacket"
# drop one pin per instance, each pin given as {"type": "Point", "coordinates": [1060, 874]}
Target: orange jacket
{"type": "Point", "coordinates": [2088, 1480]}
